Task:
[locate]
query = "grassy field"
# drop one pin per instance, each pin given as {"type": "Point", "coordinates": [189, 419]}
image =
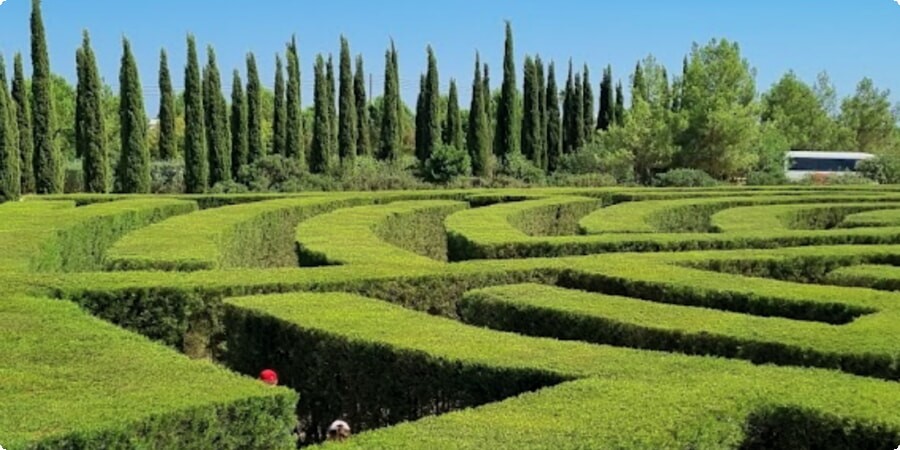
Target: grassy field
{"type": "Point", "coordinates": [538, 318]}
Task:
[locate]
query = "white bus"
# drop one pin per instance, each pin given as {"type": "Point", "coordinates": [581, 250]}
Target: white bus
{"type": "Point", "coordinates": [801, 164]}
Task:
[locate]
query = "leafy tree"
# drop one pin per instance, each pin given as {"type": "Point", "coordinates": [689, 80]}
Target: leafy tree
{"type": "Point", "coordinates": [531, 120]}
{"type": "Point", "coordinates": [620, 104]}
{"type": "Point", "coordinates": [606, 116]}
{"type": "Point", "coordinates": [279, 120]}
{"type": "Point", "coordinates": [506, 139]}
{"type": "Point", "coordinates": [48, 164]}
{"type": "Point", "coordinates": [793, 109]}
{"type": "Point", "coordinates": [23, 118]}
{"type": "Point", "coordinates": [478, 140]}
{"type": "Point", "coordinates": [588, 108]}
{"type": "Point", "coordinates": [218, 136]}
{"type": "Point", "coordinates": [453, 127]}
{"type": "Point", "coordinates": [196, 162]}
{"type": "Point", "coordinates": [168, 148]}
{"type": "Point", "coordinates": [239, 127]}
{"type": "Point", "coordinates": [348, 127]}
{"type": "Point", "coordinates": [133, 174]}
{"type": "Point", "coordinates": [320, 152]}
{"type": "Point", "coordinates": [554, 127]}
{"type": "Point", "coordinates": [722, 123]}
{"type": "Point", "coordinates": [390, 115]}
{"type": "Point", "coordinates": [255, 146]}
{"type": "Point", "coordinates": [89, 126]}
{"type": "Point", "coordinates": [293, 133]}
{"type": "Point", "coordinates": [648, 136]}
{"type": "Point", "coordinates": [363, 143]}
{"type": "Point", "coordinates": [869, 118]}
{"type": "Point", "coordinates": [10, 178]}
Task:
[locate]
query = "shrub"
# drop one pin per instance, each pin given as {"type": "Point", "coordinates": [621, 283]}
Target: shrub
{"type": "Point", "coordinates": [74, 178]}
{"type": "Point", "coordinates": [684, 178]}
{"type": "Point", "coordinates": [766, 178]}
{"type": "Point", "coordinates": [369, 174]}
{"type": "Point", "coordinates": [167, 177]}
{"type": "Point", "coordinates": [884, 170]}
{"type": "Point", "coordinates": [595, 159]}
{"type": "Point", "coordinates": [520, 168]}
{"type": "Point", "coordinates": [583, 180]}
{"type": "Point", "coordinates": [272, 173]}
{"type": "Point", "coordinates": [446, 164]}
{"type": "Point", "coordinates": [844, 179]}
{"type": "Point", "coordinates": [229, 187]}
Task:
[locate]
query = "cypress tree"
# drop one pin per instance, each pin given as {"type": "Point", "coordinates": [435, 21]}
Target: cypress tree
{"type": "Point", "coordinates": [506, 139]}
{"type": "Point", "coordinates": [10, 178]}
{"type": "Point", "coordinates": [320, 156]}
{"type": "Point", "coordinates": [453, 128]}
{"type": "Point", "coordinates": [554, 128]}
{"type": "Point", "coordinates": [568, 121]}
{"type": "Point", "coordinates": [80, 97]}
{"type": "Point", "coordinates": [239, 127]}
{"type": "Point", "coordinates": [479, 139]}
{"type": "Point", "coordinates": [48, 167]}
{"type": "Point", "coordinates": [196, 162]}
{"type": "Point", "coordinates": [620, 104]}
{"type": "Point", "coordinates": [420, 118]}
{"type": "Point", "coordinates": [218, 139]}
{"type": "Point", "coordinates": [133, 175]}
{"type": "Point", "coordinates": [293, 134]}
{"type": "Point", "coordinates": [255, 147]}
{"type": "Point", "coordinates": [490, 109]}
{"type": "Point", "coordinates": [432, 108]}
{"type": "Point", "coordinates": [588, 105]}
{"type": "Point", "coordinates": [578, 114]}
{"type": "Point", "coordinates": [89, 127]}
{"type": "Point", "coordinates": [531, 120]}
{"type": "Point", "coordinates": [363, 142]}
{"type": "Point", "coordinates": [332, 109]}
{"type": "Point", "coordinates": [606, 116]}
{"type": "Point", "coordinates": [279, 120]}
{"type": "Point", "coordinates": [347, 127]}
{"type": "Point", "coordinates": [542, 108]}
{"type": "Point", "coordinates": [639, 85]}
{"type": "Point", "coordinates": [23, 119]}
{"type": "Point", "coordinates": [168, 148]}
{"type": "Point", "coordinates": [390, 114]}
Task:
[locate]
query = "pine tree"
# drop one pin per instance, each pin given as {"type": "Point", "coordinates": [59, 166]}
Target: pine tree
{"type": "Point", "coordinates": [218, 137]}
{"type": "Point", "coordinates": [255, 147]}
{"type": "Point", "coordinates": [606, 116]}
{"type": "Point", "coordinates": [432, 109]}
{"type": "Point", "coordinates": [531, 119]}
{"type": "Point", "coordinates": [363, 143]}
{"type": "Point", "coordinates": [390, 114]}
{"type": "Point", "coordinates": [479, 139]}
{"type": "Point", "coordinates": [196, 162]}
{"type": "Point", "coordinates": [168, 148]}
{"type": "Point", "coordinates": [588, 92]}
{"type": "Point", "coordinates": [89, 126]}
{"type": "Point", "coordinates": [542, 107]}
{"type": "Point", "coordinates": [320, 151]}
{"type": "Point", "coordinates": [279, 119]}
{"type": "Point", "coordinates": [554, 128]}
{"type": "Point", "coordinates": [620, 104]}
{"type": "Point", "coordinates": [347, 116]}
{"type": "Point", "coordinates": [23, 118]}
{"type": "Point", "coordinates": [332, 109]}
{"type": "Point", "coordinates": [239, 127]}
{"type": "Point", "coordinates": [293, 133]}
{"type": "Point", "coordinates": [639, 85]}
{"type": "Point", "coordinates": [453, 127]}
{"type": "Point", "coordinates": [48, 164]}
{"type": "Point", "coordinates": [133, 174]}
{"type": "Point", "coordinates": [10, 178]}
{"type": "Point", "coordinates": [506, 139]}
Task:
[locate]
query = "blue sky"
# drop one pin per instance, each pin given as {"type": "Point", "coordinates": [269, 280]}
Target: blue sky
{"type": "Point", "coordinates": [848, 38]}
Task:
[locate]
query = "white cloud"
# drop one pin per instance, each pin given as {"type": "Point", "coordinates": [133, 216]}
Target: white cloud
{"type": "Point", "coordinates": [896, 1]}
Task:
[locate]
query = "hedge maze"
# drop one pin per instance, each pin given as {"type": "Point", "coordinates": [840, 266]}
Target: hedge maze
{"type": "Point", "coordinates": [554, 318]}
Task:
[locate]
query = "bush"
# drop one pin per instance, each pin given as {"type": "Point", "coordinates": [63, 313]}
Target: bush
{"type": "Point", "coordinates": [446, 164]}
{"type": "Point", "coordinates": [684, 178]}
{"type": "Point", "coordinates": [595, 159]}
{"type": "Point", "coordinates": [74, 178]}
{"type": "Point", "coordinates": [520, 168]}
{"type": "Point", "coordinates": [167, 177]}
{"type": "Point", "coordinates": [584, 180]}
{"type": "Point", "coordinates": [766, 178]}
{"type": "Point", "coordinates": [884, 170]}
{"type": "Point", "coordinates": [229, 187]}
{"type": "Point", "coordinates": [844, 179]}
{"type": "Point", "coordinates": [369, 174]}
{"type": "Point", "coordinates": [273, 173]}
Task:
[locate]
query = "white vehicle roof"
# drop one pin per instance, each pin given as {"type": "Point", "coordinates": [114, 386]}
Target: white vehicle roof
{"type": "Point", "coordinates": [829, 155]}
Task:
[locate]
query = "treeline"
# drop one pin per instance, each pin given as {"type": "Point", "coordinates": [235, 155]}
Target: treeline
{"type": "Point", "coordinates": [709, 119]}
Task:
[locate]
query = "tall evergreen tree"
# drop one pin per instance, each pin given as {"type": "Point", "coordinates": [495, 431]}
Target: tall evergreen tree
{"type": "Point", "coordinates": [490, 109]}
{"type": "Point", "coordinates": [638, 85]}
{"type": "Point", "coordinates": [10, 178]}
{"type": "Point", "coordinates": [606, 116]}
{"type": "Point", "coordinates": [133, 174]}
{"type": "Point", "coordinates": [320, 151]}
{"type": "Point", "coordinates": [332, 108]}
{"type": "Point", "coordinates": [168, 148]}
{"type": "Point", "coordinates": [196, 162]}
{"type": "Point", "coordinates": [570, 135]}
{"type": "Point", "coordinates": [554, 127]}
{"type": "Point", "coordinates": [420, 117]}
{"type": "Point", "coordinates": [89, 126]}
{"type": "Point", "coordinates": [23, 118]}
{"type": "Point", "coordinates": [279, 119]}
{"type": "Point", "coordinates": [531, 119]}
{"type": "Point", "coordinates": [453, 127]}
{"type": "Point", "coordinates": [620, 104]}
{"type": "Point", "coordinates": [363, 142]}
{"type": "Point", "coordinates": [293, 133]}
{"type": "Point", "coordinates": [542, 107]}
{"type": "Point", "coordinates": [239, 128]}
{"type": "Point", "coordinates": [506, 139]}
{"type": "Point", "coordinates": [588, 100]}
{"type": "Point", "coordinates": [347, 116]}
{"type": "Point", "coordinates": [390, 114]}
{"type": "Point", "coordinates": [431, 135]}
{"type": "Point", "coordinates": [479, 138]}
{"type": "Point", "coordinates": [578, 114]}
{"type": "Point", "coordinates": [218, 136]}
{"type": "Point", "coordinates": [48, 164]}
{"type": "Point", "coordinates": [255, 146]}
